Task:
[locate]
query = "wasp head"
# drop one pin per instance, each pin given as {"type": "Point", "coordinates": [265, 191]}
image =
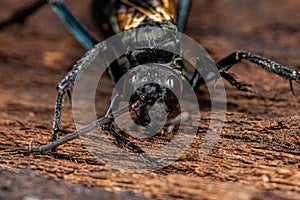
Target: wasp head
{"type": "Point", "coordinates": [152, 91]}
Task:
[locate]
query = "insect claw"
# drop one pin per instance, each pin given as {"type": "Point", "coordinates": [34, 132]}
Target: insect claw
{"type": "Point", "coordinates": [33, 148]}
{"type": "Point", "coordinates": [31, 145]}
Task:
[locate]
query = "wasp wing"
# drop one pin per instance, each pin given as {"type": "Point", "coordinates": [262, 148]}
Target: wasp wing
{"type": "Point", "coordinates": [131, 13]}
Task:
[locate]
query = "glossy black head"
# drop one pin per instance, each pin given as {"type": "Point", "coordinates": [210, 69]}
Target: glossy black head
{"type": "Point", "coordinates": [157, 87]}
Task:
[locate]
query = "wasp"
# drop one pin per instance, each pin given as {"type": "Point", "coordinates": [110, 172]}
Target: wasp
{"type": "Point", "coordinates": [123, 15]}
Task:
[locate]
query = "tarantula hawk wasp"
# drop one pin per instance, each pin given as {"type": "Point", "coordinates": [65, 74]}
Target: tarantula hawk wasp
{"type": "Point", "coordinates": [123, 15]}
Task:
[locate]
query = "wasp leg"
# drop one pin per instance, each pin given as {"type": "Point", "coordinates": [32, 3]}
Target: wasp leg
{"type": "Point", "coordinates": [267, 64]}
{"type": "Point", "coordinates": [182, 13]}
{"type": "Point", "coordinates": [77, 29]}
{"type": "Point", "coordinates": [20, 16]}
{"type": "Point", "coordinates": [232, 80]}
{"type": "Point", "coordinates": [208, 70]}
{"type": "Point", "coordinates": [126, 144]}
{"type": "Point", "coordinates": [120, 140]}
{"type": "Point", "coordinates": [83, 35]}
{"type": "Point", "coordinates": [123, 142]}
{"type": "Point", "coordinates": [67, 83]}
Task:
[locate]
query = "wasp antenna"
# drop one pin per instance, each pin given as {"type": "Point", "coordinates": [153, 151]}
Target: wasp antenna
{"type": "Point", "coordinates": [95, 124]}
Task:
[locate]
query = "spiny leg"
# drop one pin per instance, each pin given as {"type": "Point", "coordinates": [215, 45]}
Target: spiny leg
{"type": "Point", "coordinates": [267, 64]}
{"type": "Point", "coordinates": [120, 140]}
{"type": "Point", "coordinates": [208, 70]}
{"type": "Point", "coordinates": [67, 83]}
{"type": "Point", "coordinates": [63, 86]}
{"type": "Point", "coordinates": [232, 80]}
{"type": "Point", "coordinates": [20, 16]}
{"type": "Point", "coordinates": [126, 144]}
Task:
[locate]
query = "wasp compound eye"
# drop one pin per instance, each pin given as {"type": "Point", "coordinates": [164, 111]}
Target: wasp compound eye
{"type": "Point", "coordinates": [173, 83]}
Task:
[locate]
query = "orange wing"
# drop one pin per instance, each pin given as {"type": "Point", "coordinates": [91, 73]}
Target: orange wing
{"type": "Point", "coordinates": [133, 12]}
